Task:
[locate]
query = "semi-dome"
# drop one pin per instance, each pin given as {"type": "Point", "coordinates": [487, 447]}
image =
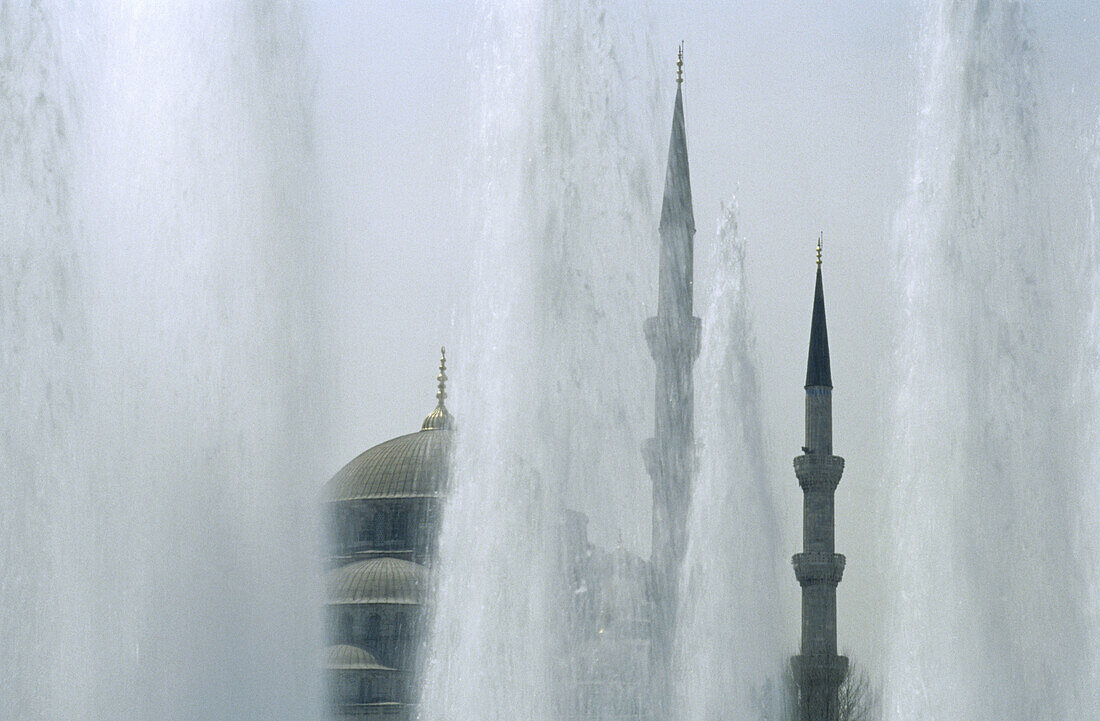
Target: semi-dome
{"type": "Point", "coordinates": [343, 657]}
{"type": "Point", "coordinates": [378, 580]}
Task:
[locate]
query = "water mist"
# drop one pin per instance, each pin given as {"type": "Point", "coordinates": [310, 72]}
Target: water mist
{"type": "Point", "coordinates": [989, 618]}
{"type": "Point", "coordinates": [552, 381]}
{"type": "Point", "coordinates": [160, 380]}
{"type": "Point", "coordinates": [729, 640]}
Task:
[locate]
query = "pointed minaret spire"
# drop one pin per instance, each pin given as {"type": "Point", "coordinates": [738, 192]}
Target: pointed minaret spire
{"type": "Point", "coordinates": [440, 418]}
{"type": "Point", "coordinates": [677, 218]}
{"type": "Point", "coordinates": [817, 365]}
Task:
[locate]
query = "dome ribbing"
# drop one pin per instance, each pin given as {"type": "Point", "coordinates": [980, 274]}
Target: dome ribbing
{"type": "Point", "coordinates": [343, 657]}
{"type": "Point", "coordinates": [410, 466]}
{"type": "Point", "coordinates": [378, 580]}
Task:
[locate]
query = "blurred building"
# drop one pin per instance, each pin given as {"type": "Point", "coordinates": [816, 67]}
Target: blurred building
{"type": "Point", "coordinates": [608, 636]}
{"type": "Point", "coordinates": [383, 510]}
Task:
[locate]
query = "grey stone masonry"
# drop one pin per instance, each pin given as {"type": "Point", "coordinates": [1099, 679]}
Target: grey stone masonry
{"type": "Point", "coordinates": [818, 670]}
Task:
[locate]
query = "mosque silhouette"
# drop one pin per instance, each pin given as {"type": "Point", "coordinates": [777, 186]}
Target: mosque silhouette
{"type": "Point", "coordinates": [383, 510]}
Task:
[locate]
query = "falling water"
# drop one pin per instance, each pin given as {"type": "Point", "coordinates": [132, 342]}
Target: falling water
{"type": "Point", "coordinates": [556, 382]}
{"type": "Point", "coordinates": [41, 333]}
{"type": "Point", "coordinates": [1089, 531]}
{"type": "Point", "coordinates": [730, 670]}
{"type": "Point", "coordinates": [159, 374]}
{"type": "Point", "coordinates": [990, 617]}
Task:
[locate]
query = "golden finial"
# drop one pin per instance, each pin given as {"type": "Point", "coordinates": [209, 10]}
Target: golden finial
{"type": "Point", "coordinates": [440, 418]}
{"type": "Point", "coordinates": [442, 377]}
{"type": "Point", "coordinates": [680, 64]}
{"type": "Point", "coordinates": [819, 238]}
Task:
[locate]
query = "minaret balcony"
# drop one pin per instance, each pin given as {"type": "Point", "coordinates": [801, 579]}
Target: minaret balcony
{"type": "Point", "coordinates": [817, 470]}
{"type": "Point", "coordinates": [815, 567]}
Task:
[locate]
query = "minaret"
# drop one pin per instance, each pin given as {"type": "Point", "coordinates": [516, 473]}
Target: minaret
{"type": "Point", "coordinates": [818, 670]}
{"type": "Point", "coordinates": [673, 338]}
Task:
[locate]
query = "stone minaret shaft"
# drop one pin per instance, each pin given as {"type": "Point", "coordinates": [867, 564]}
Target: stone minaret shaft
{"type": "Point", "coordinates": [673, 338]}
{"type": "Point", "coordinates": [818, 670]}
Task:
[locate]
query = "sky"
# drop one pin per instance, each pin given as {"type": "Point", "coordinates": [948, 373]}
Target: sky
{"type": "Point", "coordinates": [805, 112]}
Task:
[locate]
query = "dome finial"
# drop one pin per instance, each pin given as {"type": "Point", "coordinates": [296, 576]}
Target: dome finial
{"type": "Point", "coordinates": [680, 64]}
{"type": "Point", "coordinates": [442, 377]}
{"type": "Point", "coordinates": [820, 236]}
{"type": "Point", "coordinates": [440, 418]}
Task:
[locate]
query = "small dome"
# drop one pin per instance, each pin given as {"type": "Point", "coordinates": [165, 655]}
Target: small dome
{"type": "Point", "coordinates": [440, 419]}
{"type": "Point", "coordinates": [344, 657]}
{"type": "Point", "coordinates": [378, 580]}
{"type": "Point", "coordinates": [410, 466]}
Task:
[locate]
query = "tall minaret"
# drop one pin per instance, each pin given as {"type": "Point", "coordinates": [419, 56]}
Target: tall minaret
{"type": "Point", "coordinates": [818, 670]}
{"type": "Point", "coordinates": [673, 338]}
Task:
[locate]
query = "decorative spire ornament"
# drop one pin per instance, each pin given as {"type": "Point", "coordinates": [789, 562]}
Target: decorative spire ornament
{"type": "Point", "coordinates": [440, 419]}
{"type": "Point", "coordinates": [442, 377]}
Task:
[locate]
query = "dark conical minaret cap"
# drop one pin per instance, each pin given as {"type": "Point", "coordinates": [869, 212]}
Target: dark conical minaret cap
{"type": "Point", "coordinates": [817, 365]}
{"type": "Point", "coordinates": [676, 206]}
{"type": "Point", "coordinates": [440, 419]}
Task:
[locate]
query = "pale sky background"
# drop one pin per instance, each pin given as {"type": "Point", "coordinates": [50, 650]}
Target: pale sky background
{"type": "Point", "coordinates": [805, 111]}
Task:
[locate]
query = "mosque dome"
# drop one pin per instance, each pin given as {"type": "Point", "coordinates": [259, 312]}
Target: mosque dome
{"type": "Point", "coordinates": [343, 657]}
{"type": "Point", "coordinates": [378, 580]}
{"type": "Point", "coordinates": [410, 466]}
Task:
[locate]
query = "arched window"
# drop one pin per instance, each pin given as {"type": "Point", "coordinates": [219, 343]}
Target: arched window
{"type": "Point", "coordinates": [364, 531]}
{"type": "Point", "coordinates": [400, 639]}
{"type": "Point", "coordinates": [374, 629]}
{"type": "Point", "coordinates": [397, 526]}
{"type": "Point", "coordinates": [345, 626]}
{"type": "Point", "coordinates": [418, 523]}
{"type": "Point", "coordinates": [379, 523]}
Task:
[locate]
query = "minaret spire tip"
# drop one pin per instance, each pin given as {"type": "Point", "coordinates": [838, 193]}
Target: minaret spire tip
{"type": "Point", "coordinates": [817, 366]}
{"type": "Point", "coordinates": [680, 65]}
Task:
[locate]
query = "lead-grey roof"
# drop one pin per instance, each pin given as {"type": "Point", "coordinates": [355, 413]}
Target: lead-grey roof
{"type": "Point", "coordinates": [676, 206]}
{"type": "Point", "coordinates": [409, 466]}
{"type": "Point", "coordinates": [817, 367]}
{"type": "Point", "coordinates": [377, 580]}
